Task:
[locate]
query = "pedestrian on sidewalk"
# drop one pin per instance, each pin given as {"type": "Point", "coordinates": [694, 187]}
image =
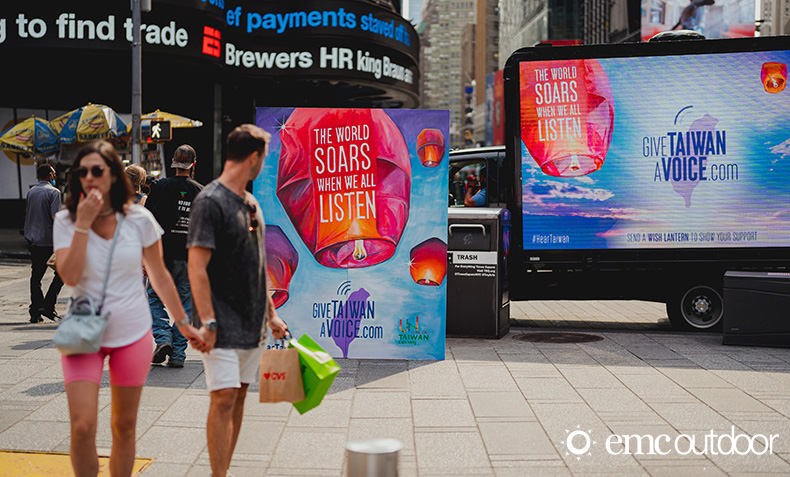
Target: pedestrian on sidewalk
{"type": "Point", "coordinates": [170, 201]}
{"type": "Point", "coordinates": [99, 200]}
{"type": "Point", "coordinates": [137, 175]}
{"type": "Point", "coordinates": [227, 270]}
{"type": "Point", "coordinates": [43, 202]}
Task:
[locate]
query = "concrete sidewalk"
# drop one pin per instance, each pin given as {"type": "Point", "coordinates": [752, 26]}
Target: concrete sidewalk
{"type": "Point", "coordinates": [12, 245]}
{"type": "Point", "coordinates": [493, 407]}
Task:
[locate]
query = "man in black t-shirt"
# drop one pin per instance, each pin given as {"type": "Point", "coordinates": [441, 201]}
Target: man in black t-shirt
{"type": "Point", "coordinates": [170, 200]}
{"type": "Point", "coordinates": [227, 270]}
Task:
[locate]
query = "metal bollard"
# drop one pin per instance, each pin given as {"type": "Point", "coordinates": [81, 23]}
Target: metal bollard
{"type": "Point", "coordinates": [373, 458]}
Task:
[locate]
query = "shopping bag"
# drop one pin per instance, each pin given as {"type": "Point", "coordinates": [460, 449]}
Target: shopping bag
{"type": "Point", "coordinates": [280, 376]}
{"type": "Point", "coordinates": [318, 372]}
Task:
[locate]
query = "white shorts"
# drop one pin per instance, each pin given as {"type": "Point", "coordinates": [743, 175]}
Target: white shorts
{"type": "Point", "coordinates": [229, 367]}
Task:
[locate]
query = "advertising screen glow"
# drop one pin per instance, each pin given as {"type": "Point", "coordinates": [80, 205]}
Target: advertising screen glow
{"type": "Point", "coordinates": [656, 152]}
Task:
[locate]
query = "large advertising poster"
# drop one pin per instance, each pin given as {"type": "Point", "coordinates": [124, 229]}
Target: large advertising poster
{"type": "Point", "coordinates": [656, 152]}
{"type": "Point", "coordinates": [355, 203]}
{"type": "Point", "coordinates": [712, 18]}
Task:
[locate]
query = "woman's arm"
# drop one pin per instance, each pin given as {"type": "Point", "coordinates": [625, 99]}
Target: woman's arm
{"type": "Point", "coordinates": [162, 283]}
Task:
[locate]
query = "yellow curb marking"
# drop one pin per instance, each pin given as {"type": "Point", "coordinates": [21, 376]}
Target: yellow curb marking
{"type": "Point", "coordinates": [24, 463]}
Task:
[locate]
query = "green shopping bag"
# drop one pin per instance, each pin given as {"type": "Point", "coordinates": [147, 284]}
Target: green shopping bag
{"type": "Point", "coordinates": [318, 372]}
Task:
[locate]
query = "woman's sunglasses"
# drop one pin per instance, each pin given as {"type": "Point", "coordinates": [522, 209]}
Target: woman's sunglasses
{"type": "Point", "coordinates": [82, 172]}
{"type": "Point", "coordinates": [253, 209]}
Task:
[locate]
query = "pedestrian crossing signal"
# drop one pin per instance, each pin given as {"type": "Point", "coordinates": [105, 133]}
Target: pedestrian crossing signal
{"type": "Point", "coordinates": [158, 131]}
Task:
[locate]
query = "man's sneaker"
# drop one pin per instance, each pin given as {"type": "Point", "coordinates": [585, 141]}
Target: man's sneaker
{"type": "Point", "coordinates": [51, 314]}
{"type": "Point", "coordinates": [161, 352]}
{"type": "Point", "coordinates": [36, 319]}
{"type": "Point", "coordinates": [175, 363]}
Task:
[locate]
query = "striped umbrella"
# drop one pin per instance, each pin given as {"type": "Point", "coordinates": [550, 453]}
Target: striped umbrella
{"type": "Point", "coordinates": [89, 123]}
{"type": "Point", "coordinates": [31, 136]}
{"type": "Point", "coordinates": [176, 121]}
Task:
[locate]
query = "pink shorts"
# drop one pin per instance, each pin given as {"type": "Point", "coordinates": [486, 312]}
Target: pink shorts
{"type": "Point", "coordinates": [129, 365]}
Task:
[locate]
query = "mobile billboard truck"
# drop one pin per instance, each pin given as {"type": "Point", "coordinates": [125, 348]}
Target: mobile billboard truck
{"type": "Point", "coordinates": [646, 171]}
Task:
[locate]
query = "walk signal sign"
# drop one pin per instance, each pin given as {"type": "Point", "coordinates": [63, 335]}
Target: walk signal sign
{"type": "Point", "coordinates": [159, 131]}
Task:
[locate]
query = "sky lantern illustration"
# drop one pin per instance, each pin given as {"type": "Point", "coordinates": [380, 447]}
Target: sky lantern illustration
{"type": "Point", "coordinates": [428, 262]}
{"type": "Point", "coordinates": [774, 77]}
{"type": "Point", "coordinates": [281, 262]}
{"type": "Point", "coordinates": [567, 115]}
{"type": "Point", "coordinates": [430, 147]}
{"type": "Point", "coordinates": [344, 179]}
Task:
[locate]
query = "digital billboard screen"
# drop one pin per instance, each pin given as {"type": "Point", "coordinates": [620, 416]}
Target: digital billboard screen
{"type": "Point", "coordinates": [712, 18]}
{"type": "Point", "coordinates": [654, 152]}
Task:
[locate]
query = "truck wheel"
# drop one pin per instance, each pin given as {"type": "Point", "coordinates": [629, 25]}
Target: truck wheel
{"type": "Point", "coordinates": [696, 308]}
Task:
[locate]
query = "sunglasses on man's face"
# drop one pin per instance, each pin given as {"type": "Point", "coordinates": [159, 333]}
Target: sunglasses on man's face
{"type": "Point", "coordinates": [82, 172]}
{"type": "Point", "coordinates": [253, 209]}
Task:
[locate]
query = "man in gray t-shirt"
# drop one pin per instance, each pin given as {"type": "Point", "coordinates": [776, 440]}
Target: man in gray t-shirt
{"type": "Point", "coordinates": [227, 272]}
{"type": "Point", "coordinates": [43, 202]}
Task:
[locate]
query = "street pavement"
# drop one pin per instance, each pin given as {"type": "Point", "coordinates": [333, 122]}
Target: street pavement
{"type": "Point", "coordinates": [508, 407]}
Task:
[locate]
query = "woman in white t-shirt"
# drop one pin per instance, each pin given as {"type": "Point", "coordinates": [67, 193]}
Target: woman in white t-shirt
{"type": "Point", "coordinates": [99, 196]}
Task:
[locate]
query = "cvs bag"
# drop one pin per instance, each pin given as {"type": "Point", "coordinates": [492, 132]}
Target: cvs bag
{"type": "Point", "coordinates": [318, 372]}
{"type": "Point", "coordinates": [280, 376]}
{"type": "Point", "coordinates": [82, 329]}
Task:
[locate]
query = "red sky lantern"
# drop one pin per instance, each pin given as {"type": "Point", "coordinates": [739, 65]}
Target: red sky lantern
{"type": "Point", "coordinates": [428, 262]}
{"type": "Point", "coordinates": [774, 76]}
{"type": "Point", "coordinates": [281, 262]}
{"type": "Point", "coordinates": [344, 179]}
{"type": "Point", "coordinates": [430, 147]}
{"type": "Point", "coordinates": [567, 115]}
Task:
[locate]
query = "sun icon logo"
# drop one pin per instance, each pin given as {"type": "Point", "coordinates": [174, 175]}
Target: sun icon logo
{"type": "Point", "coordinates": [578, 436]}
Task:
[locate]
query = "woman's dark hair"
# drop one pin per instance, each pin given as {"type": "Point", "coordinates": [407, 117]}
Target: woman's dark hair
{"type": "Point", "coordinates": [121, 189]}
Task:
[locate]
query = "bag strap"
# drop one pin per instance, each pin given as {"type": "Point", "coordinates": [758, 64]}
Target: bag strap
{"type": "Point", "coordinates": [109, 261]}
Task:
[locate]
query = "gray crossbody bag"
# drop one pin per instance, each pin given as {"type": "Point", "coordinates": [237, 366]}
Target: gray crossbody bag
{"type": "Point", "coordinates": [82, 329]}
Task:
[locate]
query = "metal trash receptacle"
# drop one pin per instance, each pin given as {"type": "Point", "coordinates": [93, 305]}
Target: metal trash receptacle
{"type": "Point", "coordinates": [755, 309]}
{"type": "Point", "coordinates": [478, 304]}
{"type": "Point", "coordinates": [373, 458]}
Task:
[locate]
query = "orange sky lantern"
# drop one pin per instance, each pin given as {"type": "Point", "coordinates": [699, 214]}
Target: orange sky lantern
{"type": "Point", "coordinates": [344, 179]}
{"type": "Point", "coordinates": [430, 147]}
{"type": "Point", "coordinates": [567, 115]}
{"type": "Point", "coordinates": [428, 262]}
{"type": "Point", "coordinates": [774, 77]}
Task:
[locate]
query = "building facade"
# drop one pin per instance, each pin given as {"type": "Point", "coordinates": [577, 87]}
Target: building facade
{"type": "Point", "coordinates": [441, 41]}
{"type": "Point", "coordinates": [775, 19]}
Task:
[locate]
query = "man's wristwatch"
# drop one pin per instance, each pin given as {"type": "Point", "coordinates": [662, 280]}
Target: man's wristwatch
{"type": "Point", "coordinates": [211, 324]}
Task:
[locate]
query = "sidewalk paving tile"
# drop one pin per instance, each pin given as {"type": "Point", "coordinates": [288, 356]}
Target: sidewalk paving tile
{"type": "Point", "coordinates": [728, 400]}
{"type": "Point", "coordinates": [310, 449]}
{"type": "Point", "coordinates": [442, 413]}
{"type": "Point", "coordinates": [174, 445]}
{"type": "Point", "coordinates": [522, 440]}
{"type": "Point", "coordinates": [443, 451]}
{"type": "Point", "coordinates": [375, 403]}
{"type": "Point", "coordinates": [34, 435]}
{"type": "Point", "coordinates": [510, 405]}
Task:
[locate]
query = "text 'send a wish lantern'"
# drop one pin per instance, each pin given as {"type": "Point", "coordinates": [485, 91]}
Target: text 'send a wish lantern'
{"type": "Point", "coordinates": [774, 77]}
{"type": "Point", "coordinates": [428, 262]}
{"type": "Point", "coordinates": [430, 147]}
{"type": "Point", "coordinates": [281, 262]}
{"type": "Point", "coordinates": [347, 191]}
{"type": "Point", "coordinates": [567, 115]}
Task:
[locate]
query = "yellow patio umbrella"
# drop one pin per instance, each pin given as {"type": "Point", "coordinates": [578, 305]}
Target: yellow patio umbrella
{"type": "Point", "coordinates": [31, 136]}
{"type": "Point", "coordinates": [176, 121]}
{"type": "Point", "coordinates": [88, 123]}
